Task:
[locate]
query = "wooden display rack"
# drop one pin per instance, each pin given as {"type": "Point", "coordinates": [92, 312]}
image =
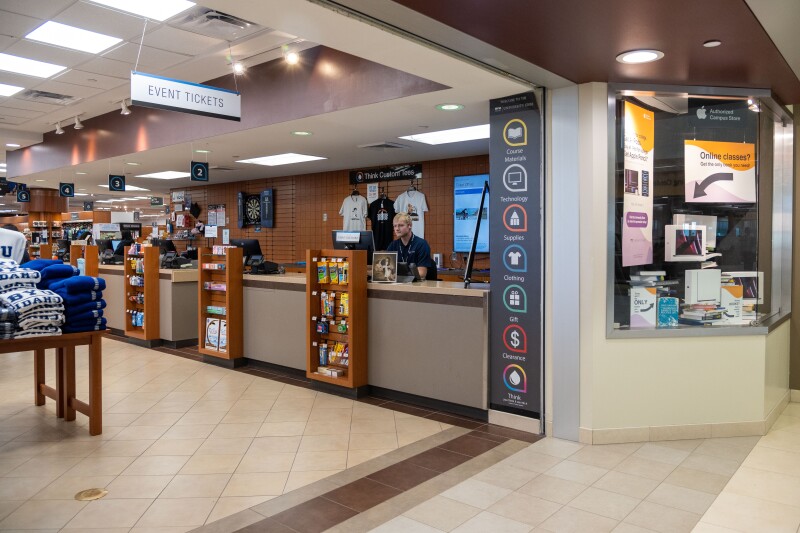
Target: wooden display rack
{"type": "Point", "coordinates": [355, 371]}
{"type": "Point", "coordinates": [231, 299]}
{"type": "Point", "coordinates": [45, 251]}
{"type": "Point", "coordinates": [87, 252]}
{"type": "Point", "coordinates": [151, 329]}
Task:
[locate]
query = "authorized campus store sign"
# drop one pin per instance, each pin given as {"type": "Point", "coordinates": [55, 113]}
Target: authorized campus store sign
{"type": "Point", "coordinates": [515, 220]}
{"type": "Point", "coordinates": [637, 212]}
{"type": "Point", "coordinates": [158, 92]}
{"type": "Point", "coordinates": [399, 172]}
{"type": "Point", "coordinates": [720, 172]}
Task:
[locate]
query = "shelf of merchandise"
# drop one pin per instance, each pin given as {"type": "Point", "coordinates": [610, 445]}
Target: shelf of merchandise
{"type": "Point", "coordinates": [355, 337]}
{"type": "Point", "coordinates": [231, 299]}
{"type": "Point", "coordinates": [150, 330]}
{"type": "Point", "coordinates": [89, 253]}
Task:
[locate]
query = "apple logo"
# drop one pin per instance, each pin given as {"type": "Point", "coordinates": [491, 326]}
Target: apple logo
{"type": "Point", "coordinates": [701, 113]}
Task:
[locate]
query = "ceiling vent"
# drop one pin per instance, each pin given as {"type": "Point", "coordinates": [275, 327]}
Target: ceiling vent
{"type": "Point", "coordinates": [45, 97]}
{"type": "Point", "coordinates": [217, 24]}
{"type": "Point", "coordinates": [385, 145]}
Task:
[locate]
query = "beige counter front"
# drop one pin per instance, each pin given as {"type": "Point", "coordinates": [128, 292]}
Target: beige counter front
{"type": "Point", "coordinates": [178, 302]}
{"type": "Point", "coordinates": [428, 339]}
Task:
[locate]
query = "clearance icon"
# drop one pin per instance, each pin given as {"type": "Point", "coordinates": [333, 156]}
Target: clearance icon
{"type": "Point", "coordinates": [515, 339]}
{"type": "Point", "coordinates": [515, 218]}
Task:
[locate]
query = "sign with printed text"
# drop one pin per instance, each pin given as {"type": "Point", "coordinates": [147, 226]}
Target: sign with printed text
{"type": "Point", "coordinates": [148, 90]}
{"type": "Point", "coordinates": [116, 182]}
{"type": "Point", "coordinates": [66, 190]}
{"type": "Point", "coordinates": [637, 208]}
{"type": "Point", "coordinates": [398, 172]}
{"type": "Point", "coordinates": [720, 172]}
{"type": "Point", "coordinates": [199, 171]}
{"type": "Point", "coordinates": [515, 225]}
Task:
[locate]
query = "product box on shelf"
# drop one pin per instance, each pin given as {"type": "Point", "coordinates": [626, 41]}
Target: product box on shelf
{"type": "Point", "coordinates": [212, 334]}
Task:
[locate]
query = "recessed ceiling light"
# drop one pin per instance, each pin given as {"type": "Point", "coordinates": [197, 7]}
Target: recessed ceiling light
{"type": "Point", "coordinates": [80, 194]}
{"type": "Point", "coordinates": [302, 133]}
{"type": "Point", "coordinates": [635, 57]}
{"type": "Point", "coordinates": [81, 189]}
{"type": "Point", "coordinates": [203, 151]}
{"type": "Point", "coordinates": [713, 43]}
{"type": "Point", "coordinates": [469, 133]}
{"type": "Point", "coordinates": [9, 90]}
{"type": "Point", "coordinates": [133, 164]}
{"type": "Point", "coordinates": [29, 67]}
{"type": "Point", "coordinates": [81, 174]}
{"type": "Point", "coordinates": [238, 68]}
{"type": "Point", "coordinates": [165, 175]}
{"type": "Point", "coordinates": [71, 37]}
{"type": "Point", "coordinates": [141, 197]}
{"type": "Point", "coordinates": [449, 107]}
{"type": "Point", "coordinates": [127, 187]}
{"type": "Point", "coordinates": [12, 145]}
{"type": "Point", "coordinates": [159, 10]}
{"type": "Point", "coordinates": [281, 159]}
{"type": "Point", "coordinates": [292, 58]}
{"type": "Point", "coordinates": [40, 180]}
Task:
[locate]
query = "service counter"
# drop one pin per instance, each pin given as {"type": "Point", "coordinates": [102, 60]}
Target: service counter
{"type": "Point", "coordinates": [178, 303]}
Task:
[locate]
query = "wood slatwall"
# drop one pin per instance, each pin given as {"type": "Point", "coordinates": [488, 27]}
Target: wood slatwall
{"type": "Point", "coordinates": [301, 200]}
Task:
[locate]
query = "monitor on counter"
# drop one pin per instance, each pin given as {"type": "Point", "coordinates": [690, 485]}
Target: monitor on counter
{"type": "Point", "coordinates": [250, 247]}
{"type": "Point", "coordinates": [354, 240]}
{"type": "Point", "coordinates": [752, 285]}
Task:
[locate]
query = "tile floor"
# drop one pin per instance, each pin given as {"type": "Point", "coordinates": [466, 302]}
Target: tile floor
{"type": "Point", "coordinates": [188, 445]}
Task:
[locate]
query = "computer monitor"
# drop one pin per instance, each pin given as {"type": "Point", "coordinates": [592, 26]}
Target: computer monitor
{"type": "Point", "coordinates": [752, 285]}
{"type": "Point", "coordinates": [250, 247]}
{"type": "Point", "coordinates": [103, 245]}
{"type": "Point", "coordinates": [164, 245]}
{"type": "Point", "coordinates": [63, 244]}
{"type": "Point", "coordinates": [354, 240]}
{"type": "Point", "coordinates": [119, 247]}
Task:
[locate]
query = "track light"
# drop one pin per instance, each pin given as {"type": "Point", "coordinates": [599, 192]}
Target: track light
{"type": "Point", "coordinates": [238, 68]}
{"type": "Point", "coordinates": [124, 107]}
{"type": "Point", "coordinates": [78, 124]}
{"type": "Point", "coordinates": [59, 130]}
{"type": "Point", "coordinates": [292, 58]}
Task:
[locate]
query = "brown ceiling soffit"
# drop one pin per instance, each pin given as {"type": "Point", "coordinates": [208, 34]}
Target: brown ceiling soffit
{"type": "Point", "coordinates": [579, 39]}
{"type": "Point", "coordinates": [326, 80]}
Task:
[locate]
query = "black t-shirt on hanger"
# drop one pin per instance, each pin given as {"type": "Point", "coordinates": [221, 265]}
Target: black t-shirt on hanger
{"type": "Point", "coordinates": [381, 215]}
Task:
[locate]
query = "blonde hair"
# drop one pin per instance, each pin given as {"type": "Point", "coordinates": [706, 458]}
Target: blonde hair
{"type": "Point", "coordinates": [402, 217]}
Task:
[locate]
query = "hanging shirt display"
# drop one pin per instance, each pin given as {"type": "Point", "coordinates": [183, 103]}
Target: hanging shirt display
{"type": "Point", "coordinates": [413, 202]}
{"type": "Point", "coordinates": [354, 213]}
{"type": "Point", "coordinates": [381, 215]}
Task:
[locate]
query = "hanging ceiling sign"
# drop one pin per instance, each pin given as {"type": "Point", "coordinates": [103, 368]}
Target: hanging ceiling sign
{"type": "Point", "coordinates": [158, 92]}
{"type": "Point", "coordinates": [399, 172]}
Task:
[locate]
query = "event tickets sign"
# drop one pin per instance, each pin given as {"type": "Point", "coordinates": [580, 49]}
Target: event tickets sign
{"type": "Point", "coordinates": [637, 215]}
{"type": "Point", "coordinates": [158, 92]}
{"type": "Point", "coordinates": [720, 172]}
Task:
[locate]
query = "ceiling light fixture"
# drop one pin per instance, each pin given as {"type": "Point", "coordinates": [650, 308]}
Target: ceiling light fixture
{"type": "Point", "coordinates": [29, 67]}
{"type": "Point", "coordinates": [752, 105]}
{"type": "Point", "coordinates": [449, 107]}
{"type": "Point", "coordinates": [281, 159]}
{"type": "Point", "coordinates": [292, 58]}
{"type": "Point", "coordinates": [133, 164]}
{"type": "Point", "coordinates": [165, 175]}
{"type": "Point", "coordinates": [9, 90]}
{"type": "Point", "coordinates": [713, 43]}
{"type": "Point", "coordinates": [12, 145]}
{"type": "Point", "coordinates": [202, 151]}
{"type": "Point", "coordinates": [81, 174]}
{"type": "Point", "coordinates": [470, 133]}
{"type": "Point", "coordinates": [159, 10]}
{"type": "Point", "coordinates": [78, 124]}
{"type": "Point", "coordinates": [635, 57]}
{"type": "Point", "coordinates": [59, 129]}
{"type": "Point", "coordinates": [40, 181]}
{"type": "Point", "coordinates": [238, 68]}
{"type": "Point", "coordinates": [125, 110]}
{"type": "Point", "coordinates": [59, 34]}
{"type": "Point", "coordinates": [302, 133]}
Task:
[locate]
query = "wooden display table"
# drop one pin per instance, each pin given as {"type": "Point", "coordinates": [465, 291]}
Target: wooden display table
{"type": "Point", "coordinates": [64, 393]}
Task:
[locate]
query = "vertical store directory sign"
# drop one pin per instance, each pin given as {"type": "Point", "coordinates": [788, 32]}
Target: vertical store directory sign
{"type": "Point", "coordinates": [516, 218]}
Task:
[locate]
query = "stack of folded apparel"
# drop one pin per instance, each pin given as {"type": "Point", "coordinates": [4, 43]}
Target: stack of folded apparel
{"type": "Point", "coordinates": [83, 302]}
{"type": "Point", "coordinates": [8, 322]}
{"type": "Point", "coordinates": [27, 311]}
{"type": "Point", "coordinates": [54, 273]}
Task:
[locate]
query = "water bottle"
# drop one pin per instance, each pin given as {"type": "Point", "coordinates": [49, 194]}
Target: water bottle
{"type": "Point", "coordinates": [81, 266]}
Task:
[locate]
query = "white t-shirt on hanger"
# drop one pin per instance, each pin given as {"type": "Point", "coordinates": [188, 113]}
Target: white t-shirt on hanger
{"type": "Point", "coordinates": [354, 213]}
{"type": "Point", "coordinates": [413, 202]}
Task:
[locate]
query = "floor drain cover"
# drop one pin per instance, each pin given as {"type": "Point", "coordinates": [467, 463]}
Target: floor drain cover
{"type": "Point", "coordinates": [90, 494]}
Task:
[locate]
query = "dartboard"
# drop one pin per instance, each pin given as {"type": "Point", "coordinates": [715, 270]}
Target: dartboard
{"type": "Point", "coordinates": [252, 210]}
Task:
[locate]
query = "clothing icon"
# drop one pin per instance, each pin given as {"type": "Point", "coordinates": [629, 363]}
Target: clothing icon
{"type": "Point", "coordinates": [515, 258]}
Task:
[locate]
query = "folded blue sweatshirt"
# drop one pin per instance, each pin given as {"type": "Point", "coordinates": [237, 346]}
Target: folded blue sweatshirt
{"type": "Point", "coordinates": [86, 321]}
{"type": "Point", "coordinates": [86, 326]}
{"type": "Point", "coordinates": [71, 300]}
{"type": "Point", "coordinates": [54, 273]}
{"type": "Point", "coordinates": [83, 308]}
{"type": "Point", "coordinates": [40, 264]}
{"type": "Point", "coordinates": [84, 316]}
{"type": "Point", "coordinates": [78, 284]}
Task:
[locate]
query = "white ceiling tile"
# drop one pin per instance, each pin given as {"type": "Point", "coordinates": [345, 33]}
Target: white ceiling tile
{"type": "Point", "coordinates": [91, 79]}
{"type": "Point", "coordinates": [103, 20]}
{"type": "Point", "coordinates": [17, 25]}
{"type": "Point", "coordinates": [109, 67]}
{"type": "Point", "coordinates": [20, 80]}
{"type": "Point", "coordinates": [151, 58]}
{"type": "Point", "coordinates": [179, 41]}
{"type": "Point", "coordinates": [44, 9]}
{"type": "Point", "coordinates": [68, 89]}
{"type": "Point", "coordinates": [14, 112]}
{"type": "Point", "coordinates": [5, 41]}
{"type": "Point", "coordinates": [16, 121]}
{"type": "Point", "coordinates": [18, 103]}
{"type": "Point", "coordinates": [47, 53]}
{"type": "Point", "coordinates": [261, 43]}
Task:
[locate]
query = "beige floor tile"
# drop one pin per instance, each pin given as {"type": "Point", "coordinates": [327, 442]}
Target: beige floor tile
{"type": "Point", "coordinates": [765, 485]}
{"type": "Point", "coordinates": [569, 520]}
{"type": "Point", "coordinates": [200, 419]}
{"type": "Point", "coordinates": [580, 473]}
{"type": "Point", "coordinates": [293, 403]}
{"type": "Point", "coordinates": [24, 449]}
{"type": "Point", "coordinates": [288, 415]}
{"type": "Point", "coordinates": [7, 465]}
{"type": "Point", "coordinates": [645, 468]}
{"type": "Point", "coordinates": [697, 480]}
{"type": "Point", "coordinates": [123, 448]}
{"type": "Point", "coordinates": [553, 489]}
{"type": "Point", "coordinates": [200, 431]}
{"type": "Point", "coordinates": [662, 454]}
{"type": "Point", "coordinates": [212, 406]}
{"type": "Point", "coordinates": [373, 425]}
{"type": "Point", "coordinates": [185, 396]}
{"type": "Point", "coordinates": [403, 524]}
{"type": "Point", "coordinates": [327, 427]}
{"type": "Point", "coordinates": [174, 447]}
{"type": "Point", "coordinates": [42, 514]}
{"type": "Point", "coordinates": [363, 411]}
{"type": "Point", "coordinates": [141, 432]}
{"type": "Point", "coordinates": [156, 419]}
{"type": "Point", "coordinates": [663, 519]}
{"type": "Point", "coordinates": [65, 488]}
{"type": "Point", "coordinates": [128, 487]}
{"type": "Point", "coordinates": [442, 513]}
{"type": "Point", "coordinates": [291, 391]}
{"type": "Point", "coordinates": [301, 479]}
{"type": "Point", "coordinates": [744, 513]}
{"type": "Point", "coordinates": [605, 503]}
{"type": "Point", "coordinates": [417, 425]}
{"type": "Point", "coordinates": [44, 467]}
{"type": "Point", "coordinates": [102, 514]}
{"type": "Point", "coordinates": [687, 445]}
{"type": "Point", "coordinates": [331, 460]}
{"type": "Point", "coordinates": [356, 457]}
{"type": "Point", "coordinates": [225, 446]}
{"type": "Point", "coordinates": [373, 441]}
{"type": "Point", "coordinates": [324, 443]}
{"type": "Point", "coordinates": [404, 438]}
{"type": "Point", "coordinates": [705, 527]}
{"type": "Point", "coordinates": [629, 485]}
{"type": "Point", "coordinates": [196, 486]}
{"type": "Point", "coordinates": [73, 448]}
{"type": "Point", "coordinates": [533, 461]}
{"type": "Point", "coordinates": [600, 456]}
{"type": "Point", "coordinates": [100, 466]}
{"type": "Point", "coordinates": [555, 447]}
{"type": "Point", "coordinates": [212, 464]}
{"type": "Point", "coordinates": [22, 488]}
{"type": "Point", "coordinates": [476, 493]}
{"type": "Point", "coordinates": [233, 431]}
{"type": "Point", "coordinates": [228, 506]}
{"type": "Point", "coordinates": [624, 527]}
{"type": "Point", "coordinates": [329, 401]}
{"type": "Point", "coordinates": [132, 405]}
{"type": "Point", "coordinates": [524, 508]}
{"type": "Point", "coordinates": [789, 423]}
{"type": "Point", "coordinates": [774, 460]}
{"type": "Point", "coordinates": [725, 448]}
{"type": "Point", "coordinates": [281, 429]}
{"type": "Point", "coordinates": [155, 465]}
{"type": "Point", "coordinates": [781, 440]}
{"type": "Point", "coordinates": [691, 500]}
{"type": "Point", "coordinates": [177, 512]}
{"type": "Point", "coordinates": [338, 415]}
{"type": "Point", "coordinates": [506, 476]}
{"type": "Point", "coordinates": [265, 462]}
{"type": "Point", "coordinates": [171, 406]}
{"type": "Point", "coordinates": [261, 484]}
{"type": "Point", "coordinates": [486, 521]}
{"type": "Point", "coordinates": [244, 417]}
{"type": "Point", "coordinates": [6, 508]}
{"type": "Point", "coordinates": [713, 464]}
{"type": "Point", "coordinates": [276, 444]}
{"type": "Point", "coordinates": [793, 409]}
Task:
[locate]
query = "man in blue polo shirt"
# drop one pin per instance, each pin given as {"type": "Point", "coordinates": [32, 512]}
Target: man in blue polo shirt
{"type": "Point", "coordinates": [410, 248]}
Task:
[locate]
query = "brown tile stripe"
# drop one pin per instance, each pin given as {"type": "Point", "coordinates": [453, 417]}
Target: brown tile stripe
{"type": "Point", "coordinates": [341, 504]}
